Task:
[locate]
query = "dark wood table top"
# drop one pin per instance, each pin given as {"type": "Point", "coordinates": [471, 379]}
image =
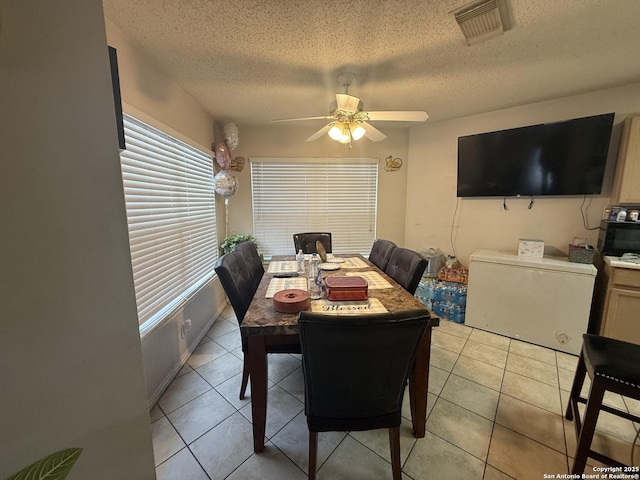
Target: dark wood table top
{"type": "Point", "coordinates": [262, 318]}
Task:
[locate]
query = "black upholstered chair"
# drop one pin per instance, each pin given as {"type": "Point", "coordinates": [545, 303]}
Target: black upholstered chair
{"type": "Point", "coordinates": [355, 371]}
{"type": "Point", "coordinates": [406, 267]}
{"type": "Point", "coordinates": [240, 272]}
{"type": "Point", "coordinates": [381, 252]}
{"type": "Point", "coordinates": [250, 253]}
{"type": "Point", "coordinates": [613, 366]}
{"type": "Point", "coordinates": [307, 241]}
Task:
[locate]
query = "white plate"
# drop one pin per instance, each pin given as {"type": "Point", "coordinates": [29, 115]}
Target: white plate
{"type": "Point", "coordinates": [335, 260]}
{"type": "Point", "coordinates": [329, 266]}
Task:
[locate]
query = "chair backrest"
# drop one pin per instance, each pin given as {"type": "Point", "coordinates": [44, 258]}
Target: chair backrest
{"type": "Point", "coordinates": [381, 252]}
{"type": "Point", "coordinates": [239, 281]}
{"type": "Point", "coordinates": [406, 267]}
{"type": "Point", "coordinates": [250, 253]}
{"type": "Point", "coordinates": [307, 241]}
{"type": "Point", "coordinates": [355, 367]}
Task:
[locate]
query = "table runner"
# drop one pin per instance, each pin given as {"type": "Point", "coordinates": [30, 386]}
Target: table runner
{"type": "Point", "coordinates": [372, 305]}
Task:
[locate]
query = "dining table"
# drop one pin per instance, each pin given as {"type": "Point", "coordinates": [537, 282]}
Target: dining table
{"type": "Point", "coordinates": [264, 326]}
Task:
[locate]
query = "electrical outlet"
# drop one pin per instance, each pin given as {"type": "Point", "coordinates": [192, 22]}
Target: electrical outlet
{"type": "Point", "coordinates": [185, 328]}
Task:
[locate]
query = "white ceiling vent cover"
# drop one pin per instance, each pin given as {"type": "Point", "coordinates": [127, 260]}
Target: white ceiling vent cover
{"type": "Point", "coordinates": [479, 21]}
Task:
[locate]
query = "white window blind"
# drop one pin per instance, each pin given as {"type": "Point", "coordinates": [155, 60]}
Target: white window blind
{"type": "Point", "coordinates": [314, 195]}
{"type": "Point", "coordinates": [168, 187]}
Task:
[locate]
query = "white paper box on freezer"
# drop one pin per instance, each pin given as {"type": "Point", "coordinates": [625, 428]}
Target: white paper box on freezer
{"type": "Point", "coordinates": [542, 301]}
{"type": "Point", "coordinates": [530, 248]}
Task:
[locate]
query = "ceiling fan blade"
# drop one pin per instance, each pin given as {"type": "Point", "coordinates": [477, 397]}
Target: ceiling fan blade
{"type": "Point", "coordinates": [399, 116]}
{"type": "Point", "coordinates": [319, 133]}
{"type": "Point", "coordinates": [347, 103]}
{"type": "Point", "coordinates": [372, 133]}
{"type": "Point", "coordinates": [323, 117]}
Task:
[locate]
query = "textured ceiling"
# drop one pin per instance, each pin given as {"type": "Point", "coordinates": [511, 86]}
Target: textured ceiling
{"type": "Point", "coordinates": [251, 61]}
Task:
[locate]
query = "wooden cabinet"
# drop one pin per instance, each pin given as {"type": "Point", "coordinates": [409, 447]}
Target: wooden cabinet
{"type": "Point", "coordinates": [619, 312]}
{"type": "Point", "coordinates": [626, 186]}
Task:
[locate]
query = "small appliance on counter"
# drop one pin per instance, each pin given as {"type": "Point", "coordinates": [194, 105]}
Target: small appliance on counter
{"type": "Point", "coordinates": [618, 237]}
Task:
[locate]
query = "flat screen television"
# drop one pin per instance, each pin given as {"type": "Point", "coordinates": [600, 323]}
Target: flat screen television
{"type": "Point", "coordinates": [560, 158]}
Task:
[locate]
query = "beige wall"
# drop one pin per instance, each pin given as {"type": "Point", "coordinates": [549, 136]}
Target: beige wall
{"type": "Point", "coordinates": [147, 89]}
{"type": "Point", "coordinates": [285, 141]}
{"type": "Point", "coordinates": [69, 344]}
{"type": "Point", "coordinates": [483, 223]}
{"type": "Point", "coordinates": [152, 97]}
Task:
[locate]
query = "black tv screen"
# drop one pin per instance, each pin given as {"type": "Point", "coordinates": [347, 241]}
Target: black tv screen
{"type": "Point", "coordinates": [560, 158]}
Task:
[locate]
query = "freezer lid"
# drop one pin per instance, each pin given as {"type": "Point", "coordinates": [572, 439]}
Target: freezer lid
{"type": "Point", "coordinates": [560, 264]}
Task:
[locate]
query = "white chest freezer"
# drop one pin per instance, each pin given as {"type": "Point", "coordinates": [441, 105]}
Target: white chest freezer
{"type": "Point", "coordinates": [542, 301]}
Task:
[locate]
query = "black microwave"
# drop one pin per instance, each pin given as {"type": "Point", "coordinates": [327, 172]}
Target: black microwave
{"type": "Point", "coordinates": [618, 238]}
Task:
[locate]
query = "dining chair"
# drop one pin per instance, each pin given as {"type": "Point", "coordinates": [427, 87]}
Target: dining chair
{"type": "Point", "coordinates": [381, 252]}
{"type": "Point", "coordinates": [240, 272]}
{"type": "Point", "coordinates": [249, 251]}
{"type": "Point", "coordinates": [406, 268]}
{"type": "Point", "coordinates": [613, 366]}
{"type": "Point", "coordinates": [307, 241]}
{"type": "Point", "coordinates": [355, 371]}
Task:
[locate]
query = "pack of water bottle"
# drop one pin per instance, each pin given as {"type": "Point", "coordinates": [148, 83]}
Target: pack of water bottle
{"type": "Point", "coordinates": [451, 292]}
{"type": "Point", "coordinates": [426, 291]}
{"type": "Point", "coordinates": [453, 271]}
{"type": "Point", "coordinates": [452, 312]}
{"type": "Point", "coordinates": [448, 300]}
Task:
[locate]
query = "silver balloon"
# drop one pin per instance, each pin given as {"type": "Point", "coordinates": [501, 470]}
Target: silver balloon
{"type": "Point", "coordinates": [231, 135]}
{"type": "Point", "coordinates": [225, 183]}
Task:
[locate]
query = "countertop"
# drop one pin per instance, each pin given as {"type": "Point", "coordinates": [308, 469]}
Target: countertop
{"type": "Point", "coordinates": [616, 262]}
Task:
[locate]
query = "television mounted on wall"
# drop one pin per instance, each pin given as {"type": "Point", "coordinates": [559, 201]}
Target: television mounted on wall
{"type": "Point", "coordinates": [560, 158]}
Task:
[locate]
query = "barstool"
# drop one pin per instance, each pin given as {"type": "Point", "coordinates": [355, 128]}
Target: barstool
{"type": "Point", "coordinates": [613, 366]}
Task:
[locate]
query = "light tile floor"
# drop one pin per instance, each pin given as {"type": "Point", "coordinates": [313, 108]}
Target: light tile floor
{"type": "Point", "coordinates": [495, 412]}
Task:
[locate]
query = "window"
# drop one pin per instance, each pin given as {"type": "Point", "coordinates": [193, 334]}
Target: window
{"type": "Point", "coordinates": [168, 188]}
{"type": "Point", "coordinates": [314, 195]}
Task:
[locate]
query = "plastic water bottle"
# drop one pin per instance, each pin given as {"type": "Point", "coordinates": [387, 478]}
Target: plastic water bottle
{"type": "Point", "coordinates": [300, 260]}
{"type": "Point", "coordinates": [315, 279]}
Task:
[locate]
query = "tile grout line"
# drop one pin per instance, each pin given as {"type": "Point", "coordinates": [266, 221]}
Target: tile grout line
{"type": "Point", "coordinates": [493, 426]}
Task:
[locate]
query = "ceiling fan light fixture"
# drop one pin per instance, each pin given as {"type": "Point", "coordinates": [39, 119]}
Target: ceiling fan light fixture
{"type": "Point", "coordinates": [345, 137]}
{"type": "Point", "coordinates": [357, 131]}
{"type": "Point", "coordinates": [341, 132]}
{"type": "Point", "coordinates": [335, 132]}
{"type": "Point", "coordinates": [348, 122]}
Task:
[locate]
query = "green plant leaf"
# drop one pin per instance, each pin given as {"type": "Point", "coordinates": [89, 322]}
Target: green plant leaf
{"type": "Point", "coordinates": [231, 241]}
{"type": "Point", "coordinates": [52, 467]}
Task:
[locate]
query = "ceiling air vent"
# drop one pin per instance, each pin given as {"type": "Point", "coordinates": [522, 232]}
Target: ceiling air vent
{"type": "Point", "coordinates": [479, 21]}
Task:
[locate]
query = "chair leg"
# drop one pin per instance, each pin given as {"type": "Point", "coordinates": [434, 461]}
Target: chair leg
{"type": "Point", "coordinates": [245, 378]}
{"type": "Point", "coordinates": [594, 402]}
{"type": "Point", "coordinates": [576, 388]}
{"type": "Point", "coordinates": [394, 444]}
{"type": "Point", "coordinates": [313, 454]}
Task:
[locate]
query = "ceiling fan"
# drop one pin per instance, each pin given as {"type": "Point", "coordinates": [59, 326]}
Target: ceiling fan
{"type": "Point", "coordinates": [350, 122]}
